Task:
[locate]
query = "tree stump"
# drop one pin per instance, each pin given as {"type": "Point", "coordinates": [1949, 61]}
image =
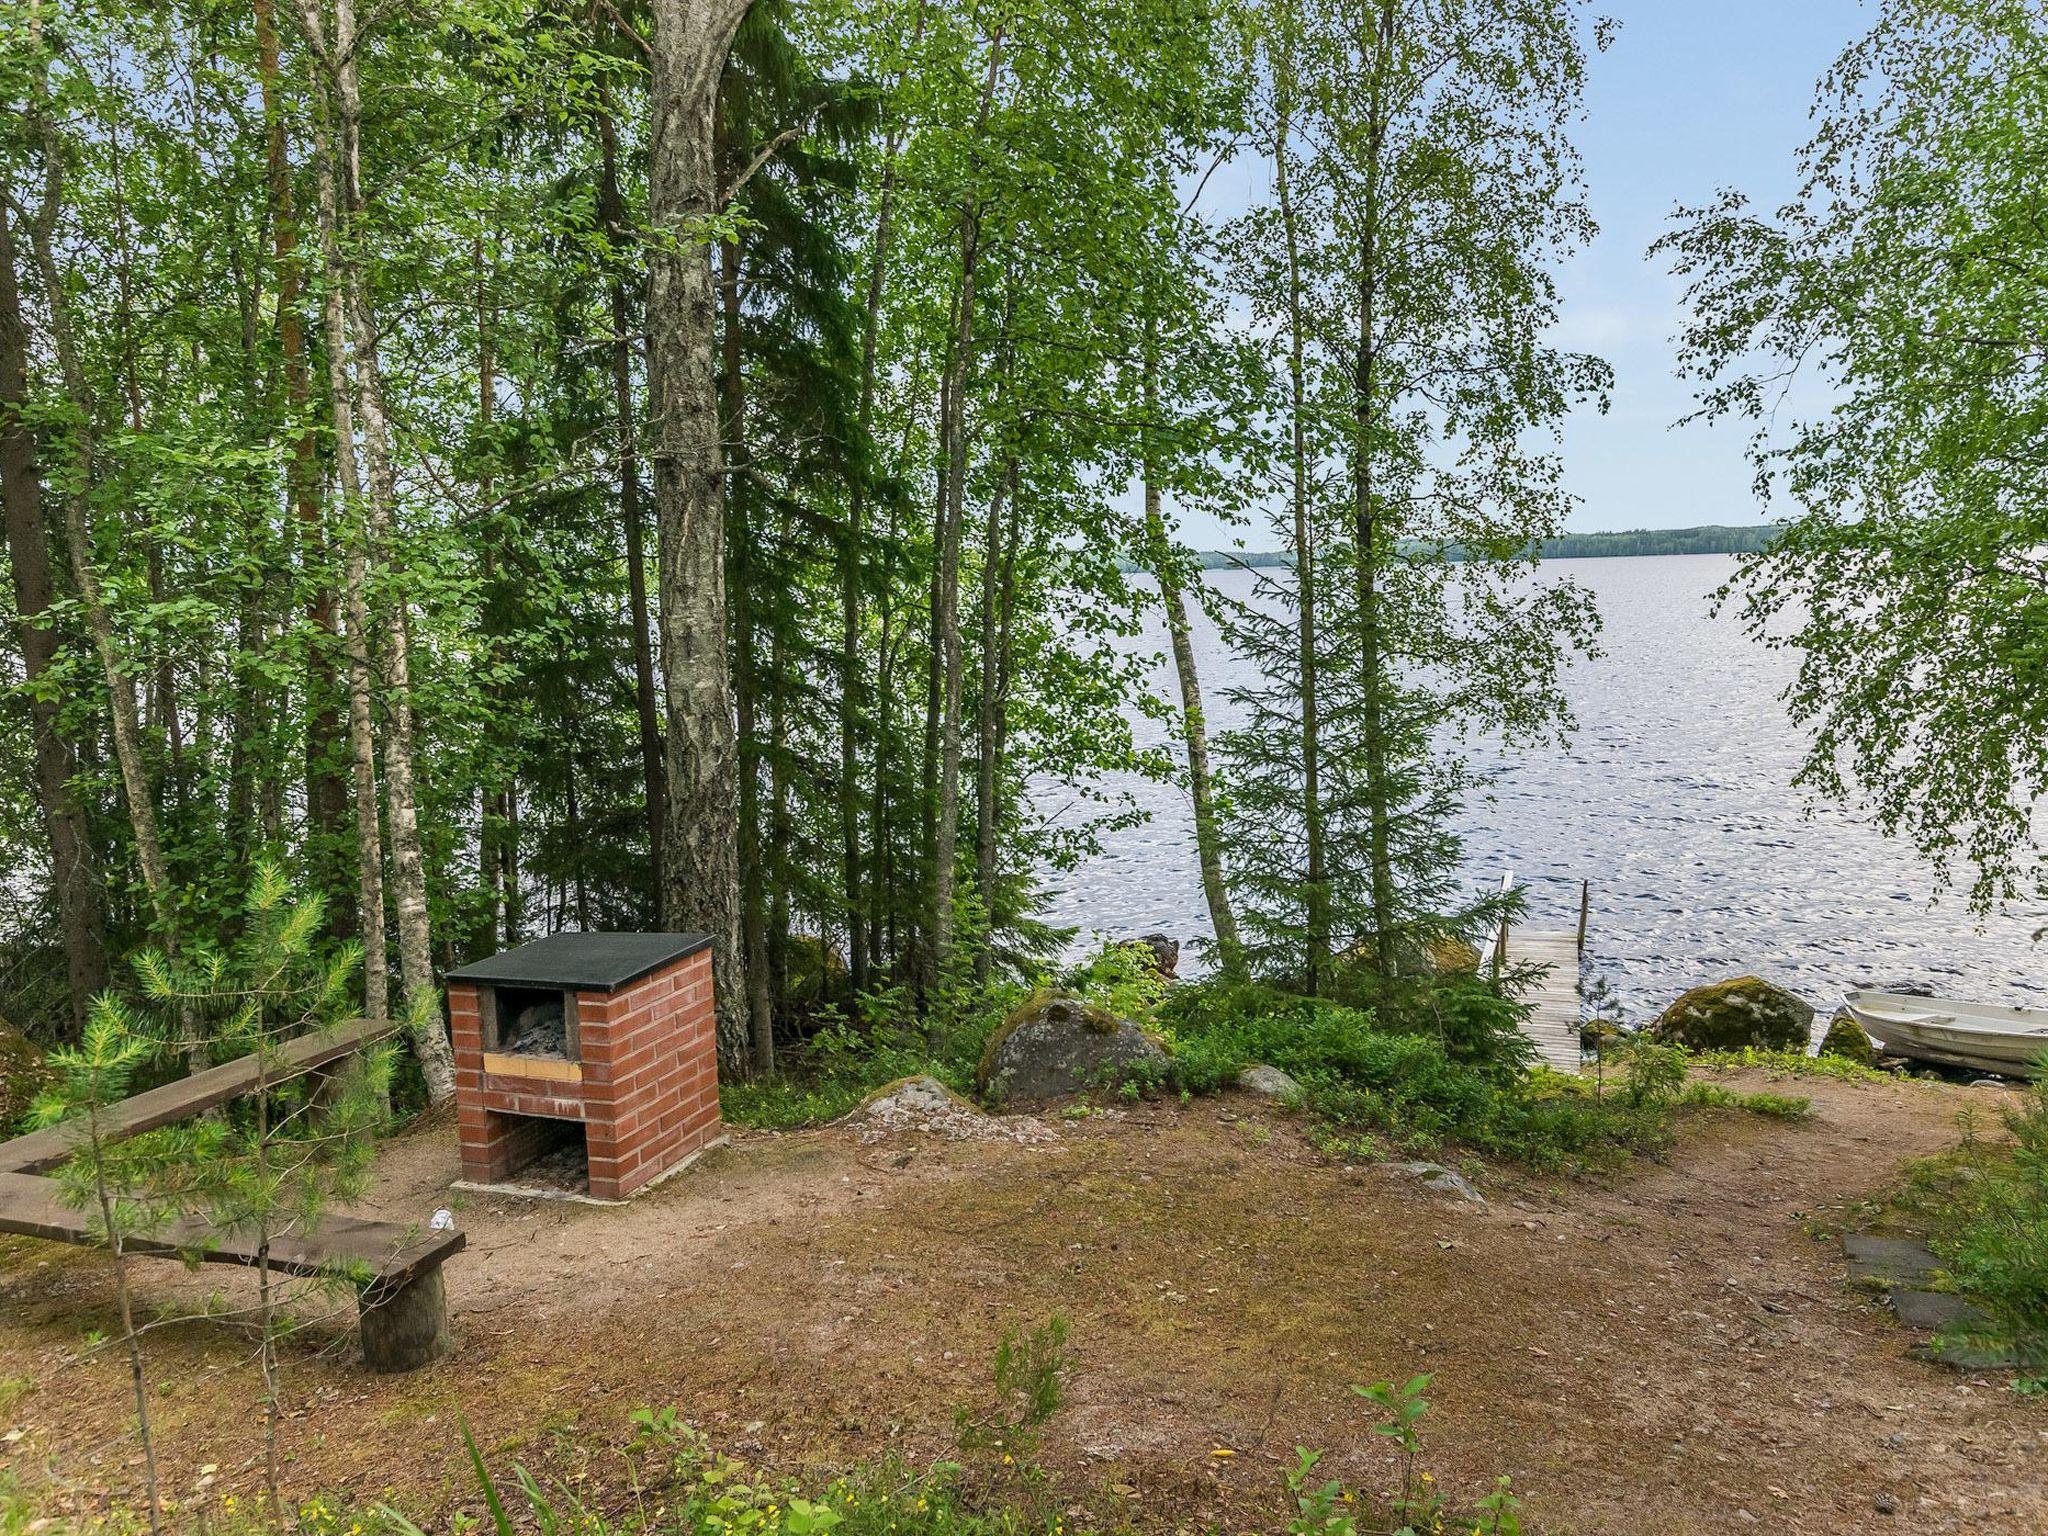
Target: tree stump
{"type": "Point", "coordinates": [405, 1326]}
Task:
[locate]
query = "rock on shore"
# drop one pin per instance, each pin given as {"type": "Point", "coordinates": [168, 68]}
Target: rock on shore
{"type": "Point", "coordinates": [1058, 1045]}
{"type": "Point", "coordinates": [1745, 1013]}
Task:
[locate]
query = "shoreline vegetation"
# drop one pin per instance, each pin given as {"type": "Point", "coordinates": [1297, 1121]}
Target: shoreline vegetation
{"type": "Point", "coordinates": [1706, 539]}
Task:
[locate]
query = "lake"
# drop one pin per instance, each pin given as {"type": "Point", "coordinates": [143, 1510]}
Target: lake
{"type": "Point", "coordinates": [1674, 798]}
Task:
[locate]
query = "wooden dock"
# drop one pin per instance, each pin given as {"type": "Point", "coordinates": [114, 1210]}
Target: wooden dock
{"type": "Point", "coordinates": [1554, 1019]}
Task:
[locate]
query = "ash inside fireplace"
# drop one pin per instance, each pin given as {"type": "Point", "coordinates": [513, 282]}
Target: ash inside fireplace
{"type": "Point", "coordinates": [531, 1024]}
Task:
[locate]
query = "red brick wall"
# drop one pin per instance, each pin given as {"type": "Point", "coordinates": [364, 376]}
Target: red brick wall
{"type": "Point", "coordinates": [649, 1094]}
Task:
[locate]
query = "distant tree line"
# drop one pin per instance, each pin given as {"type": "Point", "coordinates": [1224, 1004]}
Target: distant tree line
{"type": "Point", "coordinates": [1708, 539]}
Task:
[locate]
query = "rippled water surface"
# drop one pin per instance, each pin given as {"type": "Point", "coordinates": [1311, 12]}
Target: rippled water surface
{"type": "Point", "coordinates": [1674, 799]}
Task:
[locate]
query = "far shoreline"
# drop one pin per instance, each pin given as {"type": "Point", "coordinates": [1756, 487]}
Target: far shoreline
{"type": "Point", "coordinates": [1707, 539]}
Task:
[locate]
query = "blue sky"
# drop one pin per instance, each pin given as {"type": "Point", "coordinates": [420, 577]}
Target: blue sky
{"type": "Point", "coordinates": [1692, 96]}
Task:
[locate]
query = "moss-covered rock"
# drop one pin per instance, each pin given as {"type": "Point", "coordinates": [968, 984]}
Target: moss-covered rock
{"type": "Point", "coordinates": [22, 1075]}
{"type": "Point", "coordinates": [1060, 1045]}
{"type": "Point", "coordinates": [1845, 1038]}
{"type": "Point", "coordinates": [1743, 1014]}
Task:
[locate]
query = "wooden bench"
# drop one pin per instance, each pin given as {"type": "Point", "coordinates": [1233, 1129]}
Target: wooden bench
{"type": "Point", "coordinates": [401, 1300]}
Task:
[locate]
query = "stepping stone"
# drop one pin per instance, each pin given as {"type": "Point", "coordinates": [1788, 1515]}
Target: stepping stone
{"type": "Point", "coordinates": [1938, 1312]}
{"type": "Point", "coordinates": [1889, 1261]}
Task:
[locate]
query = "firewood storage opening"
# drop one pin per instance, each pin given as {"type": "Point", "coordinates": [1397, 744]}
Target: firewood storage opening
{"type": "Point", "coordinates": [585, 1063]}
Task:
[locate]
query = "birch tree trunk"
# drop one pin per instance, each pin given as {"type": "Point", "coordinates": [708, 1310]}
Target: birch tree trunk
{"type": "Point", "coordinates": [1372, 661]}
{"type": "Point", "coordinates": [700, 880]}
{"type": "Point", "coordinates": [1193, 720]}
{"type": "Point", "coordinates": [946, 586]}
{"type": "Point", "coordinates": [355, 580]}
{"type": "Point", "coordinates": [1315, 897]}
{"type": "Point", "coordinates": [341, 206]}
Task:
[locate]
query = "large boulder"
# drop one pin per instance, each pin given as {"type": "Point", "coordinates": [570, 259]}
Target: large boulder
{"type": "Point", "coordinates": [1746, 1013]}
{"type": "Point", "coordinates": [22, 1076]}
{"type": "Point", "coordinates": [1054, 1046]}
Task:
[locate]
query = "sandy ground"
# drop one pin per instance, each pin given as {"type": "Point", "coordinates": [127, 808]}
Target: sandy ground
{"type": "Point", "coordinates": [1671, 1350]}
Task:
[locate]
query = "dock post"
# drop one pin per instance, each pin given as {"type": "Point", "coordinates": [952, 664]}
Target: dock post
{"type": "Point", "coordinates": [1585, 910]}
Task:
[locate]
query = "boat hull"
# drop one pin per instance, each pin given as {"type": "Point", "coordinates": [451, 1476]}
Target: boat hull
{"type": "Point", "coordinates": [2007, 1041]}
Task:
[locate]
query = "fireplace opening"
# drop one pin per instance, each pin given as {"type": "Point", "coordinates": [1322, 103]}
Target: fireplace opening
{"type": "Point", "coordinates": [551, 1155]}
{"type": "Point", "coordinates": [533, 1021]}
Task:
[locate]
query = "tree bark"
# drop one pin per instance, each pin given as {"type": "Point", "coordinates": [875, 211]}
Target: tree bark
{"type": "Point", "coordinates": [74, 871]}
{"type": "Point", "coordinates": [341, 206]}
{"type": "Point", "coordinates": [946, 587]}
{"type": "Point", "coordinates": [858, 937]}
{"type": "Point", "coordinates": [1315, 893]}
{"type": "Point", "coordinates": [355, 580]}
{"type": "Point", "coordinates": [700, 880]}
{"type": "Point", "coordinates": [612, 211]}
{"type": "Point", "coordinates": [1193, 720]}
{"type": "Point", "coordinates": [1365, 530]}
{"type": "Point", "coordinates": [995, 635]}
{"type": "Point", "coordinates": [746, 672]}
{"type": "Point", "coordinates": [326, 793]}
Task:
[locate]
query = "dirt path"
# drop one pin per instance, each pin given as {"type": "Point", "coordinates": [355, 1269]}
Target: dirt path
{"type": "Point", "coordinates": [1669, 1351]}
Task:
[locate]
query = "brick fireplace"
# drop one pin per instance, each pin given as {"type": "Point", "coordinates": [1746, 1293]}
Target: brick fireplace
{"type": "Point", "coordinates": [585, 1063]}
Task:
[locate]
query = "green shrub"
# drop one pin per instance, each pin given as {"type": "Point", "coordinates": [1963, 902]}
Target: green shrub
{"type": "Point", "coordinates": [1993, 1227]}
{"type": "Point", "coordinates": [1358, 1076]}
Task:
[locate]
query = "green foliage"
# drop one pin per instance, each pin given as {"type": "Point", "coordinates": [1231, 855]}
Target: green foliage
{"type": "Point", "coordinates": [1902, 287]}
{"type": "Point", "coordinates": [1418, 1507]}
{"type": "Point", "coordinates": [1029, 1367]}
{"type": "Point", "coordinates": [1653, 1074]}
{"type": "Point", "coordinates": [1122, 978]}
{"type": "Point", "coordinates": [1424, 186]}
{"type": "Point", "coordinates": [1789, 1064]}
{"type": "Point", "coordinates": [1990, 1211]}
{"type": "Point", "coordinates": [1360, 1077]}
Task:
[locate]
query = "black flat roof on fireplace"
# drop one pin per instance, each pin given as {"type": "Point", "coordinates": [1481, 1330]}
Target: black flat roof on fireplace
{"type": "Point", "coordinates": [601, 962]}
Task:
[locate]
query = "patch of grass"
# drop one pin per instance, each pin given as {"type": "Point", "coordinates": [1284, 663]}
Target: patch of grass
{"type": "Point", "coordinates": [1778, 1106]}
{"type": "Point", "coordinates": [1792, 1064]}
{"type": "Point", "coordinates": [13, 1389]}
{"type": "Point", "coordinates": [1986, 1207]}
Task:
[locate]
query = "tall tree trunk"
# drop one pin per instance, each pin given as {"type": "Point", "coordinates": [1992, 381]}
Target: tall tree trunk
{"type": "Point", "coordinates": [1193, 719]}
{"type": "Point", "coordinates": [1366, 535]}
{"type": "Point", "coordinates": [1315, 894]}
{"type": "Point", "coordinates": [74, 872]}
{"type": "Point", "coordinates": [946, 607]}
{"type": "Point", "coordinates": [326, 791]}
{"type": "Point", "coordinates": [989, 724]}
{"type": "Point", "coordinates": [362, 742]}
{"type": "Point", "coordinates": [700, 887]}
{"type": "Point", "coordinates": [850, 692]}
{"type": "Point", "coordinates": [344, 207]}
{"type": "Point", "coordinates": [746, 672]}
{"type": "Point", "coordinates": [612, 211]}
{"type": "Point", "coordinates": [408, 862]}
{"type": "Point", "coordinates": [497, 850]}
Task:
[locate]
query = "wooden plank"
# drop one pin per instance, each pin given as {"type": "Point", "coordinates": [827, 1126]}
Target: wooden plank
{"type": "Point", "coordinates": [392, 1254]}
{"type": "Point", "coordinates": [192, 1096]}
{"type": "Point", "coordinates": [1554, 1018]}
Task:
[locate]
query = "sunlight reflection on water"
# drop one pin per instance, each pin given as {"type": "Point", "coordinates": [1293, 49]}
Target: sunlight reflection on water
{"type": "Point", "coordinates": [1674, 798]}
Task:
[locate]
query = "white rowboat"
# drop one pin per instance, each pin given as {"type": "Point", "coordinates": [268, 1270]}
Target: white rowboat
{"type": "Point", "coordinates": [2008, 1041]}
